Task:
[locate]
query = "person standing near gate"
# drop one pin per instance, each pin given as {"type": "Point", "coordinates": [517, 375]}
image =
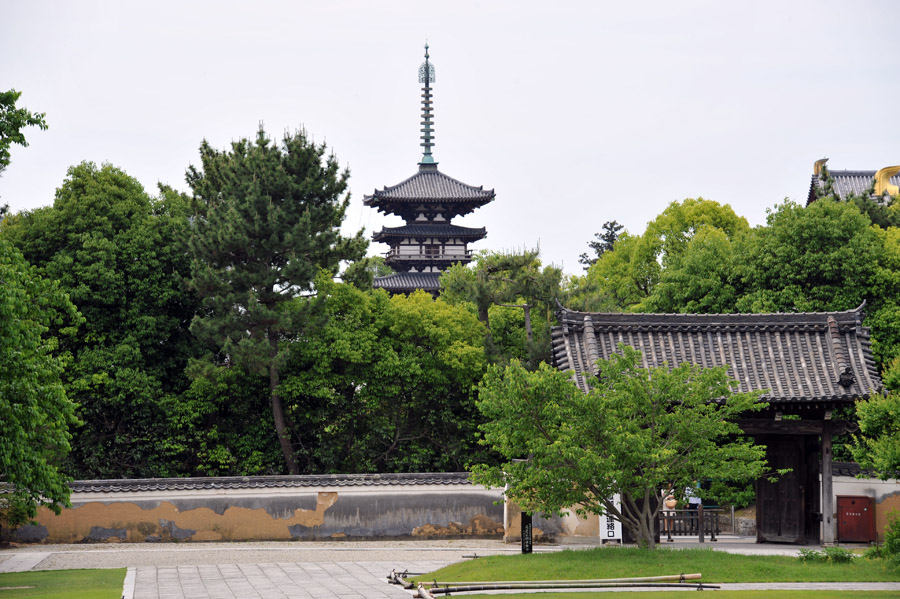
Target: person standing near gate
{"type": "Point", "coordinates": [694, 501]}
{"type": "Point", "coordinates": [669, 512]}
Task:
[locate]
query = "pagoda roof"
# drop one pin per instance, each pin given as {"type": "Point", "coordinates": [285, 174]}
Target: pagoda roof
{"type": "Point", "coordinates": [430, 230]}
{"type": "Point", "coordinates": [407, 282]}
{"type": "Point", "coordinates": [798, 358]}
{"type": "Point", "coordinates": [846, 183]}
{"type": "Point", "coordinates": [429, 185]}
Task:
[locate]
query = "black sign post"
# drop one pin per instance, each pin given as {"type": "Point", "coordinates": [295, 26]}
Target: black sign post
{"type": "Point", "coordinates": [526, 533]}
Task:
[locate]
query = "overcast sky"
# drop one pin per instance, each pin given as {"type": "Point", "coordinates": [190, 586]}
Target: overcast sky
{"type": "Point", "coordinates": [575, 113]}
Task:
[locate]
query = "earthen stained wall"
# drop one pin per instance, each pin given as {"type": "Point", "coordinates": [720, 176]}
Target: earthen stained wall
{"type": "Point", "coordinates": [388, 512]}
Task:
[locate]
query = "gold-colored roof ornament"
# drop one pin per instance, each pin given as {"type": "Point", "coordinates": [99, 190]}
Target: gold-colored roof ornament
{"type": "Point", "coordinates": [819, 165]}
{"type": "Point", "coordinates": [883, 181]}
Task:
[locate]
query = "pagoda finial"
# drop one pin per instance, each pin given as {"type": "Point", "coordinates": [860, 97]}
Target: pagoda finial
{"type": "Point", "coordinates": [426, 76]}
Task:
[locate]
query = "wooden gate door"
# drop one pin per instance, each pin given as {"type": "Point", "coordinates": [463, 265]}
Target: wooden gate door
{"type": "Point", "coordinates": [780, 505]}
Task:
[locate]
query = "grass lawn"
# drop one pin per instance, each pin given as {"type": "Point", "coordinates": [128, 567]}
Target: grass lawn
{"type": "Point", "coordinates": [621, 562]}
{"type": "Point", "coordinates": [717, 595]}
{"type": "Point", "coordinates": [60, 584]}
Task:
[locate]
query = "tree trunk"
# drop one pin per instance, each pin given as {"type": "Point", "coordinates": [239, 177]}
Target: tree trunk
{"type": "Point", "coordinates": [639, 520]}
{"type": "Point", "coordinates": [527, 310]}
{"type": "Point", "coordinates": [278, 411]}
{"type": "Point", "coordinates": [647, 522]}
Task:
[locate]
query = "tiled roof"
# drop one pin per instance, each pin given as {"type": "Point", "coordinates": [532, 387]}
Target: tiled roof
{"type": "Point", "coordinates": [801, 357]}
{"type": "Point", "coordinates": [431, 230]}
{"type": "Point", "coordinates": [853, 469]}
{"type": "Point", "coordinates": [845, 183]}
{"type": "Point", "coordinates": [846, 469]}
{"type": "Point", "coordinates": [267, 482]}
{"type": "Point", "coordinates": [429, 186]}
{"type": "Point", "coordinates": [407, 282]}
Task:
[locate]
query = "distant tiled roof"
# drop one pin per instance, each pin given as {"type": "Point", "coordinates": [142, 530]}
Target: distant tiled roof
{"type": "Point", "coordinates": [429, 186]}
{"type": "Point", "coordinates": [845, 184]}
{"type": "Point", "coordinates": [267, 482]}
{"type": "Point", "coordinates": [801, 357]}
{"type": "Point", "coordinates": [845, 469]}
{"type": "Point", "coordinates": [407, 282]}
{"type": "Point", "coordinates": [853, 469]}
{"type": "Point", "coordinates": [430, 230]}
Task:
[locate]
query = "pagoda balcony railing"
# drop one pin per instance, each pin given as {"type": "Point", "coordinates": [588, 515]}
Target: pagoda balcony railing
{"type": "Point", "coordinates": [451, 257]}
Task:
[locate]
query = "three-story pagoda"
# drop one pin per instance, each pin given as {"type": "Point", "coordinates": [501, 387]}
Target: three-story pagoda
{"type": "Point", "coordinates": [428, 243]}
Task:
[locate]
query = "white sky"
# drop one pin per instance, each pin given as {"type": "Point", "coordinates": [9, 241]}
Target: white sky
{"type": "Point", "coordinates": [574, 112]}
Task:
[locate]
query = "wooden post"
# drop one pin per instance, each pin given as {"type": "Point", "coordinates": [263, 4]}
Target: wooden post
{"type": "Point", "coordinates": [827, 487]}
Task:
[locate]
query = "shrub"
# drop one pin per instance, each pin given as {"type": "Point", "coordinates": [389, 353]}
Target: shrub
{"type": "Point", "coordinates": [838, 555]}
{"type": "Point", "coordinates": [811, 555]}
{"type": "Point", "coordinates": [891, 545]}
{"type": "Point", "coordinates": [890, 549]}
{"type": "Point", "coordinates": [835, 555]}
{"type": "Point", "coordinates": [13, 514]}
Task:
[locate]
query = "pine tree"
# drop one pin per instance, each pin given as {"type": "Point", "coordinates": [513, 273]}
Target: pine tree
{"type": "Point", "coordinates": [267, 219]}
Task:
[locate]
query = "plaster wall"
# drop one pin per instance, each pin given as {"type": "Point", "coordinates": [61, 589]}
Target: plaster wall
{"type": "Point", "coordinates": [393, 511]}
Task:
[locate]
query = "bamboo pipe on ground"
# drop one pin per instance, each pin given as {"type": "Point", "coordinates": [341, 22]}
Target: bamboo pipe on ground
{"type": "Point", "coordinates": [666, 578]}
{"type": "Point", "coordinates": [645, 582]}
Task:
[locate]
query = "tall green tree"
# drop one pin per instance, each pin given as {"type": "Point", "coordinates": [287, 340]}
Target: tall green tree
{"type": "Point", "coordinates": [516, 281]}
{"type": "Point", "coordinates": [12, 121]}
{"type": "Point", "coordinates": [267, 219]}
{"type": "Point", "coordinates": [121, 256]}
{"type": "Point", "coordinates": [624, 278]}
{"type": "Point", "coordinates": [616, 282]}
{"type": "Point", "coordinates": [635, 433]}
{"type": "Point", "coordinates": [700, 278]}
{"type": "Point", "coordinates": [35, 412]}
{"type": "Point", "coordinates": [602, 243]}
{"type": "Point", "coordinates": [383, 384]}
{"type": "Point", "coordinates": [806, 259]}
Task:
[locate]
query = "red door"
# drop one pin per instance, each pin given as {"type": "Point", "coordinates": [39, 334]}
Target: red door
{"type": "Point", "coordinates": [856, 519]}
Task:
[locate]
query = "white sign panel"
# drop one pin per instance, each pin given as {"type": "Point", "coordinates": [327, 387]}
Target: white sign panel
{"type": "Point", "coordinates": [610, 528]}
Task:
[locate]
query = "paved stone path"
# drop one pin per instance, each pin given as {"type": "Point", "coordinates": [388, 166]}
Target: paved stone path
{"type": "Point", "coordinates": [20, 562]}
{"type": "Point", "coordinates": [336, 580]}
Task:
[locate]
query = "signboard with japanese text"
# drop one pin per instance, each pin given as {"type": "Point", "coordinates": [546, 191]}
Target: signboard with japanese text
{"type": "Point", "coordinates": [527, 533]}
{"type": "Point", "coordinates": [610, 528]}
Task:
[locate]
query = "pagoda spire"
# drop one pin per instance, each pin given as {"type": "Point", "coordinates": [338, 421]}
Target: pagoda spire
{"type": "Point", "coordinates": [426, 77]}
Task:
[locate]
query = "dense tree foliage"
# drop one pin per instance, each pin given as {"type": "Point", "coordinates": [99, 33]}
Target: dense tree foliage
{"type": "Point", "coordinates": [627, 277]}
{"type": "Point", "coordinates": [35, 412]}
{"type": "Point", "coordinates": [637, 431]}
{"type": "Point", "coordinates": [222, 426]}
{"type": "Point", "coordinates": [877, 447]}
{"type": "Point", "coordinates": [378, 383]}
{"type": "Point", "coordinates": [267, 219]}
{"type": "Point", "coordinates": [499, 282]}
{"type": "Point", "coordinates": [121, 256]}
{"type": "Point", "coordinates": [807, 259]}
